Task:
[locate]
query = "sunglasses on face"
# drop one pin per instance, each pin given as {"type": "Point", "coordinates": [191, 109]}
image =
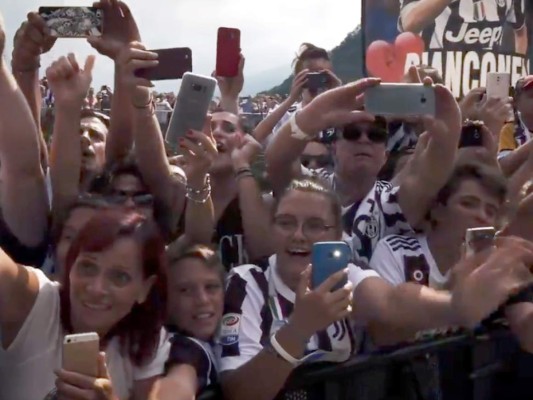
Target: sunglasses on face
{"type": "Point", "coordinates": [320, 161]}
{"type": "Point", "coordinates": [137, 199]}
{"type": "Point", "coordinates": [374, 134]}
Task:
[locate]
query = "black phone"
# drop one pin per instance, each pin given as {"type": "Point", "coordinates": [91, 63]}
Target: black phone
{"type": "Point", "coordinates": [471, 135]}
{"type": "Point", "coordinates": [317, 81]}
{"type": "Point", "coordinates": [173, 64]}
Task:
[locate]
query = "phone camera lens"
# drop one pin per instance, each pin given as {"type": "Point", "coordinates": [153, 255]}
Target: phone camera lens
{"type": "Point", "coordinates": [68, 340]}
{"type": "Point", "coordinates": [196, 87]}
{"type": "Point", "coordinates": [423, 100]}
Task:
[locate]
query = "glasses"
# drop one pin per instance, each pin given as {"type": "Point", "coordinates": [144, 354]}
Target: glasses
{"type": "Point", "coordinates": [311, 228]}
{"type": "Point", "coordinates": [320, 161]}
{"type": "Point", "coordinates": [374, 134]}
{"type": "Point", "coordinates": [137, 199]}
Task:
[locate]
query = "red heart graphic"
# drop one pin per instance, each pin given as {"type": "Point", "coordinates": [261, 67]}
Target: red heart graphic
{"type": "Point", "coordinates": [387, 61]}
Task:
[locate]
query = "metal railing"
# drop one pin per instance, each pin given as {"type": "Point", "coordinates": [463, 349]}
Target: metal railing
{"type": "Point", "coordinates": [487, 366]}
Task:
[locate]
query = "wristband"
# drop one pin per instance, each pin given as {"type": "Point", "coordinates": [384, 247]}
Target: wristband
{"type": "Point", "coordinates": [282, 353]}
{"type": "Point", "coordinates": [296, 132]}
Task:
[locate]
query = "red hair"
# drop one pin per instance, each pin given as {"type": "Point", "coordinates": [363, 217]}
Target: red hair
{"type": "Point", "coordinates": [139, 331]}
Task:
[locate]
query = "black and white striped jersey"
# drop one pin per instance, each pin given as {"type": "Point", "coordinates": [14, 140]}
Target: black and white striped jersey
{"type": "Point", "coordinates": [258, 303]}
{"type": "Point", "coordinates": [366, 222]}
{"type": "Point", "coordinates": [467, 25]}
{"type": "Point", "coordinates": [200, 355]}
{"type": "Point", "coordinates": [399, 259]}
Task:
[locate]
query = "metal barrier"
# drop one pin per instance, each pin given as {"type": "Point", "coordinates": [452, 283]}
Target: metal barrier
{"type": "Point", "coordinates": [488, 366]}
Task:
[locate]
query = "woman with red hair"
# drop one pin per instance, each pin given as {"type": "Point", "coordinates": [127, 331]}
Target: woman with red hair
{"type": "Point", "coordinates": [115, 285]}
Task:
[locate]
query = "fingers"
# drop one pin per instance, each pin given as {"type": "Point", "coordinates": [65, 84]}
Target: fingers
{"type": "Point", "coordinates": [201, 143]}
{"type": "Point", "coordinates": [75, 379]}
{"type": "Point", "coordinates": [359, 87]}
{"type": "Point", "coordinates": [332, 281]}
{"type": "Point", "coordinates": [303, 284]}
{"type": "Point", "coordinates": [413, 75]}
{"type": "Point", "coordinates": [89, 64]}
{"type": "Point", "coordinates": [102, 366]}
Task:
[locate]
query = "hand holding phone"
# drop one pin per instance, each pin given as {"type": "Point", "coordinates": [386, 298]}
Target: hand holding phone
{"type": "Point", "coordinates": [401, 100]}
{"type": "Point", "coordinates": [329, 258]}
{"type": "Point", "coordinates": [172, 64]}
{"type": "Point", "coordinates": [317, 81]}
{"type": "Point", "coordinates": [80, 353]}
{"type": "Point", "coordinates": [73, 22]}
{"type": "Point", "coordinates": [479, 239]}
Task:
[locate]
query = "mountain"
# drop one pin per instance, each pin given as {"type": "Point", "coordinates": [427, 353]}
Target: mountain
{"type": "Point", "coordinates": [346, 58]}
{"type": "Point", "coordinates": [256, 83]}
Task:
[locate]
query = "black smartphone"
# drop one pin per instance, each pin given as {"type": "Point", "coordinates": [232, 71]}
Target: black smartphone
{"type": "Point", "coordinates": [173, 64]}
{"type": "Point", "coordinates": [317, 81]}
{"type": "Point", "coordinates": [73, 22]}
{"type": "Point", "coordinates": [471, 135]}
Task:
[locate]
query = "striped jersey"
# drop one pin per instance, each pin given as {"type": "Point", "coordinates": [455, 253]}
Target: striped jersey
{"type": "Point", "coordinates": [200, 355]}
{"type": "Point", "coordinates": [258, 303]}
{"type": "Point", "coordinates": [470, 25]}
{"type": "Point", "coordinates": [366, 222]}
{"type": "Point", "coordinates": [399, 259]}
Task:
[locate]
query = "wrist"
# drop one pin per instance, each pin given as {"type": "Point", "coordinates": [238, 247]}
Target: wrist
{"type": "Point", "coordinates": [240, 165]}
{"type": "Point", "coordinates": [297, 332]}
{"type": "Point", "coordinates": [197, 181]}
{"type": "Point", "coordinates": [308, 122]}
{"type": "Point", "coordinates": [32, 65]}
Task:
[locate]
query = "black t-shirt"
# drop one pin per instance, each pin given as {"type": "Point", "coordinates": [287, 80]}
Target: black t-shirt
{"type": "Point", "coordinates": [476, 25]}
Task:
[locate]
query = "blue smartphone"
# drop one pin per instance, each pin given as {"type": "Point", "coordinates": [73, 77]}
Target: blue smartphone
{"type": "Point", "coordinates": [327, 259]}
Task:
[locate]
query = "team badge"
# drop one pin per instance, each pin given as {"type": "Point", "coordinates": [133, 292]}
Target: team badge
{"type": "Point", "coordinates": [229, 329]}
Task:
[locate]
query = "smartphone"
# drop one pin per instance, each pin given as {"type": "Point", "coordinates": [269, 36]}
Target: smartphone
{"type": "Point", "coordinates": [73, 22]}
{"type": "Point", "coordinates": [471, 135]}
{"type": "Point", "coordinates": [192, 105]}
{"type": "Point", "coordinates": [80, 353]}
{"type": "Point", "coordinates": [479, 239]}
{"type": "Point", "coordinates": [401, 100]}
{"type": "Point", "coordinates": [228, 52]}
{"type": "Point", "coordinates": [317, 81]}
{"type": "Point", "coordinates": [327, 259]}
{"type": "Point", "coordinates": [498, 84]}
{"type": "Point", "coordinates": [173, 63]}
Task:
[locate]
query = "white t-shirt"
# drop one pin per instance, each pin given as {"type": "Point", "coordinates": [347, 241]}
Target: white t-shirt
{"type": "Point", "coordinates": [27, 366]}
{"type": "Point", "coordinates": [258, 303]}
{"type": "Point", "coordinates": [399, 259]}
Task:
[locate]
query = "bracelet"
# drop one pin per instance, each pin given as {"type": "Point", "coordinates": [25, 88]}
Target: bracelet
{"type": "Point", "coordinates": [282, 353]}
{"type": "Point", "coordinates": [199, 196]}
{"type": "Point", "coordinates": [296, 131]}
{"type": "Point", "coordinates": [202, 199]}
{"type": "Point", "coordinates": [243, 173]}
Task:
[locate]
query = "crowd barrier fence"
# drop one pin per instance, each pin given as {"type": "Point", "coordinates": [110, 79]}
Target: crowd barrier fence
{"type": "Point", "coordinates": [486, 366]}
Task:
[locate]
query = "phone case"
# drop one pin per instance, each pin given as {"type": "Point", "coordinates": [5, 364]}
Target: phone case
{"type": "Point", "coordinates": [327, 259]}
{"type": "Point", "coordinates": [498, 85]}
{"type": "Point", "coordinates": [400, 100]}
{"type": "Point", "coordinates": [228, 52]}
{"type": "Point", "coordinates": [192, 105]}
{"type": "Point", "coordinates": [479, 239]}
{"type": "Point", "coordinates": [80, 353]}
{"type": "Point", "coordinates": [317, 80]}
{"type": "Point", "coordinates": [173, 64]}
{"type": "Point", "coordinates": [73, 22]}
{"type": "Point", "coordinates": [471, 136]}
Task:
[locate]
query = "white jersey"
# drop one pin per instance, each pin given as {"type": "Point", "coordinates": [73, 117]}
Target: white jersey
{"type": "Point", "coordinates": [366, 222]}
{"type": "Point", "coordinates": [258, 303]}
{"type": "Point", "coordinates": [400, 259]}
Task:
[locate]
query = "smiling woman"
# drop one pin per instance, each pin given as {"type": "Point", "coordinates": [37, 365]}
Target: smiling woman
{"type": "Point", "coordinates": [114, 284]}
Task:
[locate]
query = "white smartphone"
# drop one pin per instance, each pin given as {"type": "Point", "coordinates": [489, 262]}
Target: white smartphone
{"type": "Point", "coordinates": [192, 105]}
{"type": "Point", "coordinates": [498, 86]}
{"type": "Point", "coordinates": [80, 353]}
{"type": "Point", "coordinates": [400, 100]}
{"type": "Point", "coordinates": [479, 239]}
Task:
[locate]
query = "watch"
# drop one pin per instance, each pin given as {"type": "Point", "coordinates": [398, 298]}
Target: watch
{"type": "Point", "coordinates": [296, 132]}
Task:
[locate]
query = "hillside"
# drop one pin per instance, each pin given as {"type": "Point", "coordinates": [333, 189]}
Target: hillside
{"type": "Point", "coordinates": [346, 58]}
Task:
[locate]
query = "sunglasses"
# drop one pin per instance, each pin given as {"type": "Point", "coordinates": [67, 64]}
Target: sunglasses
{"type": "Point", "coordinates": [320, 161]}
{"type": "Point", "coordinates": [138, 199]}
{"type": "Point", "coordinates": [374, 134]}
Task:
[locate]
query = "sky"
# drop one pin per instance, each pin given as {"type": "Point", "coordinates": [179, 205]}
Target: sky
{"type": "Point", "coordinates": [270, 36]}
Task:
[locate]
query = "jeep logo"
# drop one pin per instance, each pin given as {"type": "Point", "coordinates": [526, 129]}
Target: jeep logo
{"type": "Point", "coordinates": [487, 36]}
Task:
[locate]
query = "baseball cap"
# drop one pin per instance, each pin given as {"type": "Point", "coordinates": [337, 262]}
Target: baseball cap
{"type": "Point", "coordinates": [523, 84]}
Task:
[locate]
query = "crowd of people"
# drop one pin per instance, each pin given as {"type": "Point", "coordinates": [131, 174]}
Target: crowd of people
{"type": "Point", "coordinates": [193, 274]}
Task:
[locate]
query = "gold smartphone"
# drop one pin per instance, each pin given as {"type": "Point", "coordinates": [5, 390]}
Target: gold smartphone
{"type": "Point", "coordinates": [80, 353]}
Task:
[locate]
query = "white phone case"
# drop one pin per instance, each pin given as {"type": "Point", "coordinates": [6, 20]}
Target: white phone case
{"type": "Point", "coordinates": [192, 105]}
{"type": "Point", "coordinates": [400, 100]}
{"type": "Point", "coordinates": [498, 85]}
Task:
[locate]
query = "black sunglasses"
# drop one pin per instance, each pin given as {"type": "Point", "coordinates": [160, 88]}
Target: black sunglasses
{"type": "Point", "coordinates": [138, 199]}
{"type": "Point", "coordinates": [377, 132]}
{"type": "Point", "coordinates": [320, 161]}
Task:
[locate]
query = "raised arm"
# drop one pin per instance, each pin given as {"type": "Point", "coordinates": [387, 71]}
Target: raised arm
{"type": "Point", "coordinates": [70, 85]}
{"type": "Point", "coordinates": [416, 15]}
{"type": "Point", "coordinates": [435, 163]}
{"type": "Point", "coordinates": [120, 30]}
{"type": "Point", "coordinates": [230, 88]}
{"type": "Point", "coordinates": [23, 197]}
{"type": "Point", "coordinates": [31, 40]}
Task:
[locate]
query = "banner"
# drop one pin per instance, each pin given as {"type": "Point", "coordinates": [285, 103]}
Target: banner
{"type": "Point", "coordinates": [463, 39]}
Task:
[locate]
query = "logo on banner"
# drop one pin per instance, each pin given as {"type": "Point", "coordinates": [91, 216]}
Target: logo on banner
{"type": "Point", "coordinates": [229, 329]}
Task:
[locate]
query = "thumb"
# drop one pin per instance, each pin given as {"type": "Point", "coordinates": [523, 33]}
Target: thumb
{"type": "Point", "coordinates": [102, 367]}
{"type": "Point", "coordinates": [303, 284]}
{"type": "Point", "coordinates": [89, 64]}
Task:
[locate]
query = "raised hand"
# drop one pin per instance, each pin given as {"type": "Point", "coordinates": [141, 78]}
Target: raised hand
{"type": "Point", "coordinates": [31, 40]}
{"type": "Point", "coordinates": [298, 85]}
{"type": "Point", "coordinates": [68, 82]}
{"type": "Point", "coordinates": [245, 152]}
{"type": "Point", "coordinates": [315, 310]}
{"type": "Point", "coordinates": [231, 87]}
{"type": "Point", "coordinates": [486, 280]}
{"type": "Point", "coordinates": [131, 58]}
{"type": "Point", "coordinates": [120, 29]}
